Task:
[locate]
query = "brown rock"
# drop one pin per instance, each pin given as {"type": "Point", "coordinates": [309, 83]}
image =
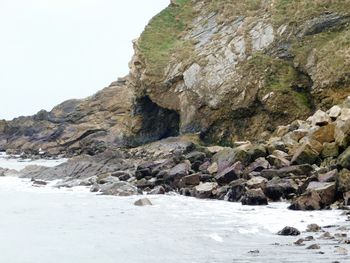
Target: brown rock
{"type": "Point", "coordinates": [324, 134]}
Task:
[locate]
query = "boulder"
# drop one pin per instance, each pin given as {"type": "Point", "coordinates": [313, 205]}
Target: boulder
{"type": "Point", "coordinates": [328, 177]}
{"type": "Point", "coordinates": [158, 190]}
{"type": "Point", "coordinates": [236, 190]}
{"type": "Point", "coordinates": [258, 165]}
{"type": "Point", "coordinates": [319, 118]}
{"type": "Point", "coordinates": [190, 180]}
{"type": "Point", "coordinates": [289, 231]}
{"type": "Point", "coordinates": [257, 182]}
{"type": "Point", "coordinates": [278, 161]}
{"type": "Point", "coordinates": [343, 181]}
{"type": "Point", "coordinates": [318, 196]}
{"type": "Point", "coordinates": [278, 188]}
{"type": "Point", "coordinates": [254, 197]}
{"type": "Point", "coordinates": [305, 155]}
{"type": "Point", "coordinates": [330, 150]}
{"type": "Point", "coordinates": [344, 159]}
{"type": "Point", "coordinates": [313, 228]}
{"type": "Point", "coordinates": [143, 202]}
{"type": "Point", "coordinates": [205, 190]}
{"type": "Point", "coordinates": [342, 133]}
{"type": "Point", "coordinates": [213, 168]}
{"type": "Point", "coordinates": [334, 112]}
{"type": "Point", "coordinates": [227, 175]}
{"type": "Point", "coordinates": [117, 189]}
{"type": "Point", "coordinates": [176, 173]}
{"type": "Point", "coordinates": [314, 246]}
{"type": "Point", "coordinates": [293, 170]}
{"type": "Point", "coordinates": [324, 133]}
{"type": "Point", "coordinates": [195, 156]}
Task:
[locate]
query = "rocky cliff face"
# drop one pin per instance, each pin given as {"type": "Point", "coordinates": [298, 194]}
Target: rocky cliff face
{"type": "Point", "coordinates": [230, 70]}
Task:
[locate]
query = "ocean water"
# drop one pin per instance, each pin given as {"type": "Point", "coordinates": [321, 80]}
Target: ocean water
{"type": "Point", "coordinates": [50, 225]}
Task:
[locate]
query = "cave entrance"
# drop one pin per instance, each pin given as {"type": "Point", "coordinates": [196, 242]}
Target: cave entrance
{"type": "Point", "coordinates": [157, 122]}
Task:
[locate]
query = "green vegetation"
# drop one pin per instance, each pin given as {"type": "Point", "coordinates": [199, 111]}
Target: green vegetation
{"type": "Point", "coordinates": [162, 37]}
{"type": "Point", "coordinates": [279, 76]}
{"type": "Point", "coordinates": [297, 11]}
{"type": "Point", "coordinates": [331, 49]}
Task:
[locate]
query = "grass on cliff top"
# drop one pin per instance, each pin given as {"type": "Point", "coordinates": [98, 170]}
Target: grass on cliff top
{"type": "Point", "coordinates": [296, 11]}
{"type": "Point", "coordinates": [162, 36]}
{"type": "Point", "coordinates": [283, 11]}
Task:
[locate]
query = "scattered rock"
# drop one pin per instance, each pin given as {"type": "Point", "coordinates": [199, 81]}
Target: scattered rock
{"type": "Point", "coordinates": [289, 231]}
{"type": "Point", "coordinates": [314, 246]}
{"type": "Point", "coordinates": [143, 202]}
{"type": "Point", "coordinates": [313, 228]}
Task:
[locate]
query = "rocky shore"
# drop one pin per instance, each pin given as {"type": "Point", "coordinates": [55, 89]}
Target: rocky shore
{"type": "Point", "coordinates": [306, 162]}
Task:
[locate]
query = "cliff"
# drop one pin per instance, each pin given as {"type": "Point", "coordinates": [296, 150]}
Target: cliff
{"type": "Point", "coordinates": [229, 70]}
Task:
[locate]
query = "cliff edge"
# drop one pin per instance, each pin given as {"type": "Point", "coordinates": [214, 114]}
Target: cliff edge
{"type": "Point", "coordinates": [228, 70]}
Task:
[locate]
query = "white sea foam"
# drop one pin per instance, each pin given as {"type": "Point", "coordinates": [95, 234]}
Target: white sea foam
{"type": "Point", "coordinates": [46, 224]}
{"type": "Point", "coordinates": [19, 164]}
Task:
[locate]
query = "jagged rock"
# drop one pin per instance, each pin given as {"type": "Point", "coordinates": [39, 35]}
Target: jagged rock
{"type": "Point", "coordinates": [277, 188]}
{"type": "Point", "coordinates": [177, 172]}
{"type": "Point", "coordinates": [193, 179]}
{"type": "Point", "coordinates": [342, 133]}
{"type": "Point", "coordinates": [205, 190]}
{"type": "Point", "coordinates": [318, 196]}
{"type": "Point", "coordinates": [228, 175]}
{"type": "Point", "coordinates": [213, 168]}
{"type": "Point", "coordinates": [275, 144]}
{"type": "Point", "coordinates": [257, 182]}
{"type": "Point", "coordinates": [289, 231]}
{"type": "Point", "coordinates": [320, 118]}
{"type": "Point", "coordinates": [195, 156]}
{"type": "Point", "coordinates": [305, 154]}
{"type": "Point", "coordinates": [158, 190]}
{"type": "Point", "coordinates": [344, 159]}
{"type": "Point", "coordinates": [117, 189]}
{"type": "Point", "coordinates": [334, 112]}
{"type": "Point", "coordinates": [254, 197]}
{"type": "Point", "coordinates": [343, 181]}
{"type": "Point", "coordinates": [236, 191]}
{"type": "Point", "coordinates": [328, 177]}
{"type": "Point", "coordinates": [330, 150]}
{"type": "Point", "coordinates": [221, 192]}
{"type": "Point", "coordinates": [324, 133]}
{"type": "Point", "coordinates": [258, 165]}
{"type": "Point", "coordinates": [143, 202]}
{"type": "Point", "coordinates": [295, 170]}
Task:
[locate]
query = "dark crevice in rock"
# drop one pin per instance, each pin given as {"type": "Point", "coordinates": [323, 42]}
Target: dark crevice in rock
{"type": "Point", "coordinates": [157, 122]}
{"type": "Point", "coordinates": [323, 23]}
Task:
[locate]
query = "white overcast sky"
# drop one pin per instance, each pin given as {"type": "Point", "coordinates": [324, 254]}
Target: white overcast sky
{"type": "Point", "coordinates": [54, 50]}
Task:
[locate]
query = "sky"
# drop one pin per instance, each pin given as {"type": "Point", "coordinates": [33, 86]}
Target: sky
{"type": "Point", "coordinates": [54, 50]}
